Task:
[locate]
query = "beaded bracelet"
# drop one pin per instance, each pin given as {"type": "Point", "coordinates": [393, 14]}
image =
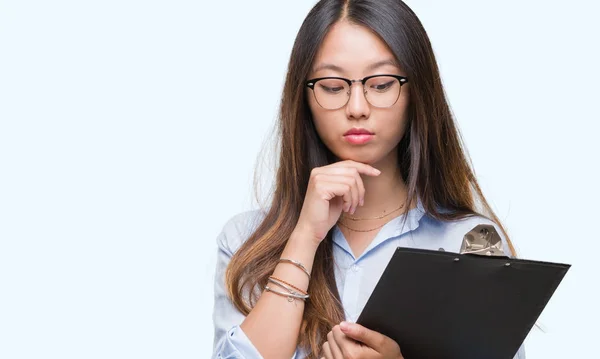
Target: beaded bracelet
{"type": "Point", "coordinates": [289, 288]}
{"type": "Point", "coordinates": [291, 285]}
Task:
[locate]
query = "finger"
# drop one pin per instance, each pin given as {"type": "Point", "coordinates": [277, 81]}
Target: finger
{"type": "Point", "coordinates": [361, 167]}
{"type": "Point", "coordinates": [333, 345]}
{"type": "Point", "coordinates": [349, 180]}
{"type": "Point", "coordinates": [343, 167]}
{"type": "Point", "coordinates": [327, 351]}
{"type": "Point", "coordinates": [350, 172]}
{"type": "Point", "coordinates": [361, 188]}
{"type": "Point", "coordinates": [346, 344]}
{"type": "Point", "coordinates": [330, 190]}
{"type": "Point", "coordinates": [357, 186]}
{"type": "Point", "coordinates": [369, 337]}
{"type": "Point", "coordinates": [356, 169]}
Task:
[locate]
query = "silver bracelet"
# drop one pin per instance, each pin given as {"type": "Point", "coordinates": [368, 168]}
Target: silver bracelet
{"type": "Point", "coordinates": [297, 264]}
{"type": "Point", "coordinates": [290, 297]}
{"type": "Point", "coordinates": [291, 290]}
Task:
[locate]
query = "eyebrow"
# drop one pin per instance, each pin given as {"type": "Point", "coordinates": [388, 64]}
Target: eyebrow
{"type": "Point", "coordinates": [374, 66]}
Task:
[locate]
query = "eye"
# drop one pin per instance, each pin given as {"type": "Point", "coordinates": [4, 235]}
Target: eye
{"type": "Point", "coordinates": [334, 90]}
{"type": "Point", "coordinates": [382, 86]}
{"type": "Point", "coordinates": [333, 86]}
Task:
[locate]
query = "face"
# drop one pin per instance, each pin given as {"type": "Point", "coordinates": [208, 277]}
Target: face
{"type": "Point", "coordinates": [354, 52]}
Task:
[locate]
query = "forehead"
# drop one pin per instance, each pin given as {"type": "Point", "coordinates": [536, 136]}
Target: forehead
{"type": "Point", "coordinates": [352, 48]}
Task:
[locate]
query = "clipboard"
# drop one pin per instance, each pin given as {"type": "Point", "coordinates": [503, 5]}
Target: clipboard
{"type": "Point", "coordinates": [446, 305]}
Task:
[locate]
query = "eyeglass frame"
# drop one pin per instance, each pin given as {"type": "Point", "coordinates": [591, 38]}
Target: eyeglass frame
{"type": "Point", "coordinates": [311, 84]}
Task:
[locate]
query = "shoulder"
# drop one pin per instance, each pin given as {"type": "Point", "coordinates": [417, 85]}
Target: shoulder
{"type": "Point", "coordinates": [449, 234]}
{"type": "Point", "coordinates": [238, 228]}
{"type": "Point", "coordinates": [464, 225]}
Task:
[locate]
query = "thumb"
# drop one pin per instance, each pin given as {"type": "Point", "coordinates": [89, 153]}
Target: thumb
{"type": "Point", "coordinates": [369, 337]}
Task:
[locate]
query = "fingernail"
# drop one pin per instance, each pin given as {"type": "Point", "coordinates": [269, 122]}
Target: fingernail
{"type": "Point", "coordinates": [353, 210]}
{"type": "Point", "coordinates": [345, 325]}
{"type": "Point", "coordinates": [377, 171]}
{"type": "Point", "coordinates": [362, 202]}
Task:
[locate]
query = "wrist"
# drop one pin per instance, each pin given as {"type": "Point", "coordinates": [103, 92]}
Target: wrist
{"type": "Point", "coordinates": [298, 249]}
{"type": "Point", "coordinates": [305, 239]}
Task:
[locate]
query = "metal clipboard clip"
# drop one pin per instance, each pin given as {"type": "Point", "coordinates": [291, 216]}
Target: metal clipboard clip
{"type": "Point", "coordinates": [482, 240]}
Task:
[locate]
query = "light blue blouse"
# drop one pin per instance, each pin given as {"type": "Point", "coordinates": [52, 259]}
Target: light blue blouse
{"type": "Point", "coordinates": [355, 277]}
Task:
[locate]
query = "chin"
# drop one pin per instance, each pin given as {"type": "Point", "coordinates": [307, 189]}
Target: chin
{"type": "Point", "coordinates": [359, 155]}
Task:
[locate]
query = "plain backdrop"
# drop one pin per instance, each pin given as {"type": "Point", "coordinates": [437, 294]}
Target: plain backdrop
{"type": "Point", "coordinates": [129, 133]}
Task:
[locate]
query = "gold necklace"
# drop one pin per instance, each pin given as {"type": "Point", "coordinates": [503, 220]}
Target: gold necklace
{"type": "Point", "coordinates": [371, 229]}
{"type": "Point", "coordinates": [361, 230]}
{"type": "Point", "coordinates": [367, 219]}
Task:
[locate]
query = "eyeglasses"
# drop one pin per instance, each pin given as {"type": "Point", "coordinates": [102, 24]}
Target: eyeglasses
{"type": "Point", "coordinates": [333, 93]}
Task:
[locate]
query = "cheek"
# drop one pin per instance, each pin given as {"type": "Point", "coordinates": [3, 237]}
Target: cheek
{"type": "Point", "coordinates": [396, 121]}
{"type": "Point", "coordinates": [401, 117]}
{"type": "Point", "coordinates": [323, 127]}
{"type": "Point", "coordinates": [320, 118]}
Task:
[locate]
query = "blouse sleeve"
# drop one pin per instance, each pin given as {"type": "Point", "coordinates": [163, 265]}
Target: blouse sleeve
{"type": "Point", "coordinates": [229, 340]}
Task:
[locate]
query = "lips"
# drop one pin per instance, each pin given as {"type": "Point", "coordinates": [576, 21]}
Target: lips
{"type": "Point", "coordinates": [358, 136]}
{"type": "Point", "coordinates": [358, 131]}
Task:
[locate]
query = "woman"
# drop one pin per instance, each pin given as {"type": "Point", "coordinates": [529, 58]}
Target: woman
{"type": "Point", "coordinates": [370, 160]}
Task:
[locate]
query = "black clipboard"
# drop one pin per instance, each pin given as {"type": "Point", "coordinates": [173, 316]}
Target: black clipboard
{"type": "Point", "coordinates": [447, 305]}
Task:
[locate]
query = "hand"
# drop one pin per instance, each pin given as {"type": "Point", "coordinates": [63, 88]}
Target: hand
{"type": "Point", "coordinates": [331, 189]}
{"type": "Point", "coordinates": [353, 341]}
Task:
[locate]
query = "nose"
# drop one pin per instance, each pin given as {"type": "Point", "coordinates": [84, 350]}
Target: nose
{"type": "Point", "coordinates": [357, 106]}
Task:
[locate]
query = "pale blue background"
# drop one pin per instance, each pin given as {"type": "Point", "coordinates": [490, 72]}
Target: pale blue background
{"type": "Point", "coordinates": [122, 154]}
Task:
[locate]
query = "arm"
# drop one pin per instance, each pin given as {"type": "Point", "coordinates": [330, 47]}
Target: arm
{"type": "Point", "coordinates": [273, 325]}
{"type": "Point", "coordinates": [230, 340]}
